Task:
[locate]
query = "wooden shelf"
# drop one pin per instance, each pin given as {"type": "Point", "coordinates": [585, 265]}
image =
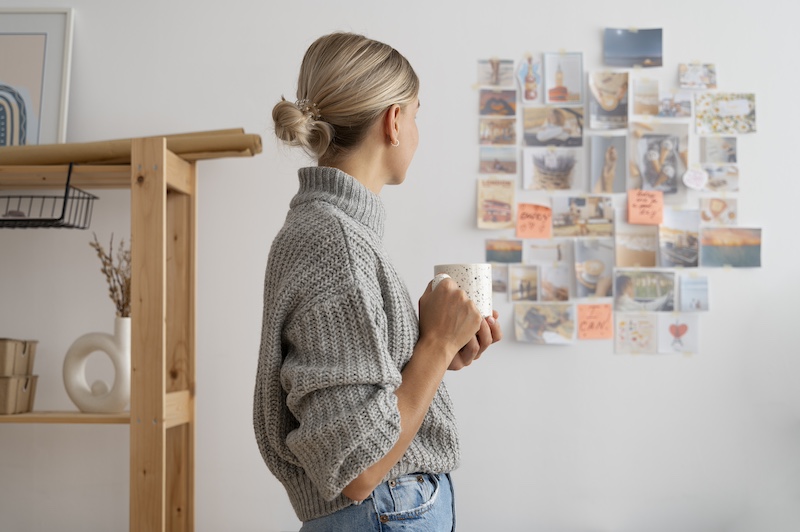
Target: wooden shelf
{"type": "Point", "coordinates": [68, 417]}
{"type": "Point", "coordinates": [107, 176]}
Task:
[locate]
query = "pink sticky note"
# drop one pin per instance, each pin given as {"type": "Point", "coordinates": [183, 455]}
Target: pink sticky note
{"type": "Point", "coordinates": [645, 207]}
{"type": "Point", "coordinates": [594, 322]}
{"type": "Point", "coordinates": [534, 221]}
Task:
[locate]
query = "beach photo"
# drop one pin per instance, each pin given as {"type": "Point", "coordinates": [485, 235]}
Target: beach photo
{"type": "Point", "coordinates": [607, 168]}
{"type": "Point", "coordinates": [608, 101]}
{"type": "Point", "coordinates": [552, 126]}
{"type": "Point", "coordinates": [645, 97]}
{"type": "Point", "coordinates": [735, 247]}
{"type": "Point", "coordinates": [678, 238]}
{"type": "Point", "coordinates": [497, 102]}
{"type": "Point", "coordinates": [544, 323]}
{"type": "Point", "coordinates": [497, 160]}
{"type": "Point", "coordinates": [694, 293]}
{"type": "Point", "coordinates": [563, 78]}
{"type": "Point", "coordinates": [496, 72]}
{"type": "Point", "coordinates": [594, 265]}
{"type": "Point", "coordinates": [499, 278]}
{"type": "Point", "coordinates": [523, 282]}
{"type": "Point", "coordinates": [651, 290]}
{"type": "Point", "coordinates": [552, 169]}
{"type": "Point", "coordinates": [633, 48]}
{"type": "Point", "coordinates": [585, 216]}
{"type": "Point", "coordinates": [507, 251]}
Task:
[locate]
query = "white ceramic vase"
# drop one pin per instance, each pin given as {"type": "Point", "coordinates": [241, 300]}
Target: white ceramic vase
{"type": "Point", "coordinates": [99, 398]}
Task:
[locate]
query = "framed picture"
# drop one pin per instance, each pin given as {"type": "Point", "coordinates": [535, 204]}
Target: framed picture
{"type": "Point", "coordinates": [35, 52]}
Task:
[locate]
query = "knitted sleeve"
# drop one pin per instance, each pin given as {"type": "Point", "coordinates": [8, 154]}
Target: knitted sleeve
{"type": "Point", "coordinates": [340, 382]}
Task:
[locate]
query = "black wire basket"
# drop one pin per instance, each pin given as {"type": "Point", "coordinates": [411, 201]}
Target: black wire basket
{"type": "Point", "coordinates": [72, 209]}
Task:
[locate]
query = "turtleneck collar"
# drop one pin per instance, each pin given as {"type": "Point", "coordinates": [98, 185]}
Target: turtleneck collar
{"type": "Point", "coordinates": [322, 183]}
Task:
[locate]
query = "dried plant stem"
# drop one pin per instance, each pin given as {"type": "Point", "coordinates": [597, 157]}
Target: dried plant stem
{"type": "Point", "coordinates": [117, 275]}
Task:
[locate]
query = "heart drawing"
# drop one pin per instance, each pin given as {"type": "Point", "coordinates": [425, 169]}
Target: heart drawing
{"type": "Point", "coordinates": [678, 330]}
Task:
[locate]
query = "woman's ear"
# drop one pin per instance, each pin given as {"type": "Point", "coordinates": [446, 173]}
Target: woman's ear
{"type": "Point", "coordinates": [392, 124]}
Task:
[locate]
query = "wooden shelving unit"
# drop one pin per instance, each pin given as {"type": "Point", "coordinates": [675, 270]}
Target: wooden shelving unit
{"type": "Point", "coordinates": [163, 235]}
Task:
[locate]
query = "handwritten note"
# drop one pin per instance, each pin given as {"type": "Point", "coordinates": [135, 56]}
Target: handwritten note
{"type": "Point", "coordinates": [534, 221]}
{"type": "Point", "coordinates": [594, 322]}
{"type": "Point", "coordinates": [645, 207]}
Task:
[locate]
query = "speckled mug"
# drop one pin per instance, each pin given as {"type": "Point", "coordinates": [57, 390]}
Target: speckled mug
{"type": "Point", "coordinates": [474, 279]}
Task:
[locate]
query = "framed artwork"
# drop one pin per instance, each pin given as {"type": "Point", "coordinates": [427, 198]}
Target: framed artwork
{"type": "Point", "coordinates": [35, 52]}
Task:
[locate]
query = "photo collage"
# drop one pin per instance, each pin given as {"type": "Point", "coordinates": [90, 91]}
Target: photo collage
{"type": "Point", "coordinates": [608, 194]}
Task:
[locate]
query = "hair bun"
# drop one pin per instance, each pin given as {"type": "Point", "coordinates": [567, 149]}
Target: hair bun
{"type": "Point", "coordinates": [298, 124]}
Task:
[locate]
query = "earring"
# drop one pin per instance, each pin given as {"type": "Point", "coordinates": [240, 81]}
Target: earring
{"type": "Point", "coordinates": [396, 143]}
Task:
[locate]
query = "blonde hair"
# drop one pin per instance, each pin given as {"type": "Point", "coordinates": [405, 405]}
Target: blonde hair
{"type": "Point", "coordinates": [346, 82]}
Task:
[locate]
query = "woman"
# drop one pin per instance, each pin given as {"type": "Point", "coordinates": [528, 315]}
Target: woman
{"type": "Point", "coordinates": [350, 411]}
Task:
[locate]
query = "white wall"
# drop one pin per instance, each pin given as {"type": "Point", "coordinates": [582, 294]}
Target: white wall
{"type": "Point", "coordinates": [554, 439]}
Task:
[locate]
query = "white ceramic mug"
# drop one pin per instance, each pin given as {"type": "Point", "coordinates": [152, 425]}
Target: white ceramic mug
{"type": "Point", "coordinates": [474, 279]}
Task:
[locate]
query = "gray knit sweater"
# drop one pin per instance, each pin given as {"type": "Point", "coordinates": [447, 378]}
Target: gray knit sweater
{"type": "Point", "coordinates": [338, 328]}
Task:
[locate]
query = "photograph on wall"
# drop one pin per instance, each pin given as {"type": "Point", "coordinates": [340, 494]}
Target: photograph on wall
{"type": "Point", "coordinates": [678, 333]}
{"type": "Point", "coordinates": [735, 247]}
{"type": "Point", "coordinates": [694, 293]}
{"type": "Point", "coordinates": [35, 64]}
{"type": "Point", "coordinates": [544, 323]}
{"type": "Point", "coordinates": [675, 104]}
{"type": "Point", "coordinates": [494, 102]}
{"type": "Point", "coordinates": [701, 76]}
{"type": "Point", "coordinates": [679, 238]}
{"type": "Point", "coordinates": [718, 150]}
{"type": "Point", "coordinates": [496, 72]}
{"type": "Point", "coordinates": [496, 203]}
{"type": "Point", "coordinates": [497, 160]}
{"type": "Point", "coordinates": [658, 156]}
{"type": "Point", "coordinates": [721, 177]}
{"type": "Point", "coordinates": [563, 78]}
{"type": "Point", "coordinates": [594, 265]}
{"type": "Point", "coordinates": [718, 211]}
{"type": "Point", "coordinates": [497, 131]}
{"type": "Point", "coordinates": [529, 77]}
{"type": "Point", "coordinates": [638, 290]}
{"type": "Point", "coordinates": [724, 113]}
{"type": "Point", "coordinates": [645, 96]}
{"type": "Point", "coordinates": [628, 48]}
{"type": "Point", "coordinates": [499, 278]}
{"type": "Point", "coordinates": [506, 251]}
{"type": "Point", "coordinates": [636, 244]}
{"type": "Point", "coordinates": [523, 282]}
{"type": "Point", "coordinates": [635, 333]}
{"type": "Point", "coordinates": [607, 174]}
{"type": "Point", "coordinates": [552, 126]}
{"type": "Point", "coordinates": [608, 102]}
{"type": "Point", "coordinates": [552, 169]}
{"type": "Point", "coordinates": [554, 282]}
{"type": "Point", "coordinates": [585, 216]}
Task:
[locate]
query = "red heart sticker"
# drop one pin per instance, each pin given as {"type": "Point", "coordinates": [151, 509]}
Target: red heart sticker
{"type": "Point", "coordinates": [678, 330]}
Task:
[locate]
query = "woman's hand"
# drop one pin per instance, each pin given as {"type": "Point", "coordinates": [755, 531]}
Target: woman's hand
{"type": "Point", "coordinates": [488, 334]}
{"type": "Point", "coordinates": [447, 318]}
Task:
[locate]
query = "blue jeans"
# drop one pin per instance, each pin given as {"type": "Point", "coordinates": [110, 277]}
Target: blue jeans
{"type": "Point", "coordinates": [416, 502]}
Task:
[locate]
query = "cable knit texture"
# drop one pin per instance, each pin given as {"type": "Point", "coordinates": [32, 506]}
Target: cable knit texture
{"type": "Point", "coordinates": [338, 328]}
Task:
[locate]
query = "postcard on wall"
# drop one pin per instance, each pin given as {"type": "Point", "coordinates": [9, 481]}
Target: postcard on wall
{"type": "Point", "coordinates": [645, 97]}
{"type": "Point", "coordinates": [555, 282]}
{"type": "Point", "coordinates": [496, 72]}
{"type": "Point", "coordinates": [607, 172]}
{"type": "Point", "coordinates": [552, 169]}
{"type": "Point", "coordinates": [594, 264]}
{"type": "Point", "coordinates": [497, 160]}
{"type": "Point", "coordinates": [530, 79]}
{"type": "Point", "coordinates": [737, 247]}
{"type": "Point", "coordinates": [721, 177]}
{"type": "Point", "coordinates": [658, 156]}
{"type": "Point", "coordinates": [585, 216]}
{"type": "Point", "coordinates": [718, 150]}
{"type": "Point", "coordinates": [675, 104]}
{"type": "Point", "coordinates": [628, 48]}
{"type": "Point", "coordinates": [534, 221]}
{"type": "Point", "coordinates": [523, 282]}
{"type": "Point", "coordinates": [499, 278]}
{"type": "Point", "coordinates": [725, 113]}
{"type": "Point", "coordinates": [497, 102]}
{"type": "Point", "coordinates": [506, 251]}
{"type": "Point", "coordinates": [563, 78]}
{"type": "Point", "coordinates": [636, 245]}
{"type": "Point", "coordinates": [552, 126]}
{"type": "Point", "coordinates": [718, 211]}
{"type": "Point", "coordinates": [608, 102]}
{"type": "Point", "coordinates": [694, 293]}
{"type": "Point", "coordinates": [496, 203]}
{"type": "Point", "coordinates": [679, 238]}
{"type": "Point", "coordinates": [497, 131]}
{"type": "Point", "coordinates": [545, 252]}
{"type": "Point", "coordinates": [697, 76]}
{"type": "Point", "coordinates": [545, 323]}
{"type": "Point", "coordinates": [635, 333]}
{"type": "Point", "coordinates": [678, 333]}
{"type": "Point", "coordinates": [595, 321]}
{"type": "Point", "coordinates": [638, 290]}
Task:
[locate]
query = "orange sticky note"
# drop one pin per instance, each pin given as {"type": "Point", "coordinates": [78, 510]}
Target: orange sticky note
{"type": "Point", "coordinates": [645, 207]}
{"type": "Point", "coordinates": [594, 322]}
{"type": "Point", "coordinates": [534, 221]}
